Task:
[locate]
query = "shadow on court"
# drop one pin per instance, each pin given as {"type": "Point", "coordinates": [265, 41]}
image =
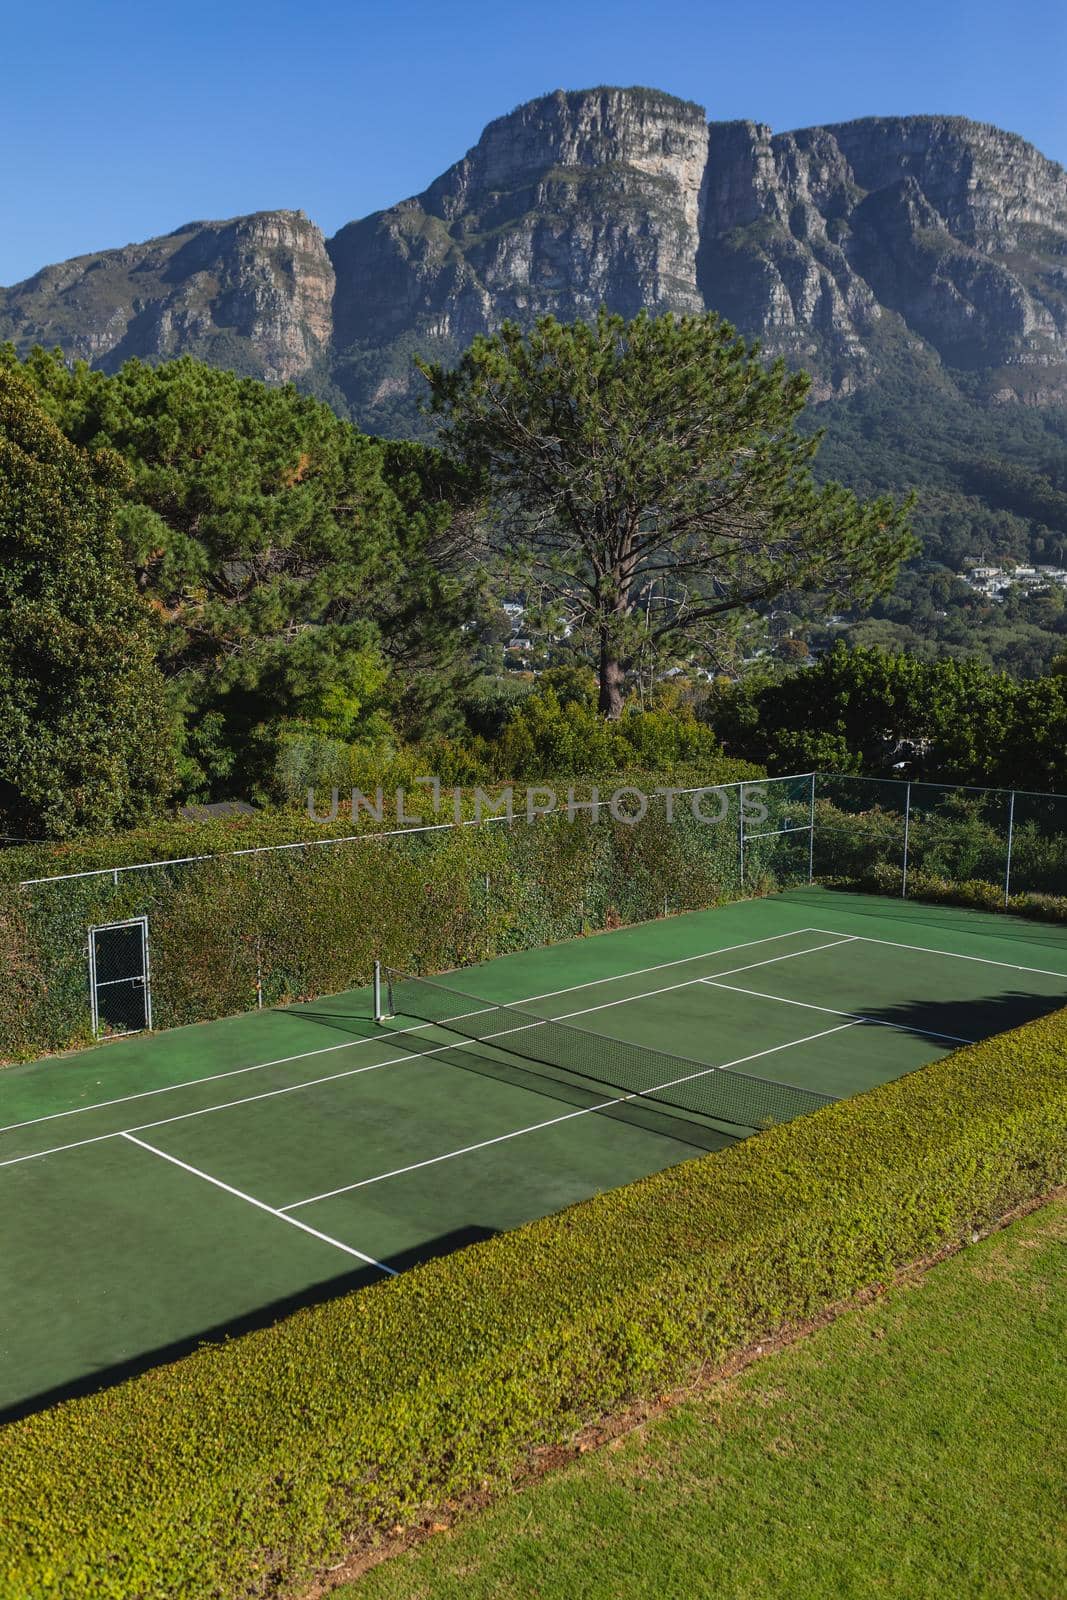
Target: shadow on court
{"type": "Point", "coordinates": [973, 1019]}
{"type": "Point", "coordinates": [263, 1317]}
{"type": "Point", "coordinates": [564, 1088]}
{"type": "Point", "coordinates": [359, 1023]}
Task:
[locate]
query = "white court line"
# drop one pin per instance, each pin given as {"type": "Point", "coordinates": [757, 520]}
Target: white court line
{"type": "Point", "coordinates": [261, 1206]}
{"type": "Point", "coordinates": [639, 972]}
{"type": "Point", "coordinates": [350, 1044]}
{"type": "Point", "coordinates": [688, 983]}
{"type": "Point", "coordinates": [373, 1066]}
{"type": "Point", "coordinates": [568, 1116]}
{"type": "Point", "coordinates": [193, 1083]}
{"type": "Point", "coordinates": [954, 955]}
{"type": "Point", "coordinates": [228, 1105]}
{"type": "Point", "coordinates": [832, 1011]}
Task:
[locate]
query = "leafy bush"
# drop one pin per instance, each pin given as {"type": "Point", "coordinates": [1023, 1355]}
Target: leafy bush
{"type": "Point", "coordinates": [566, 736]}
{"type": "Point", "coordinates": [85, 731]}
{"type": "Point", "coordinates": [974, 893]}
{"type": "Point", "coordinates": [955, 838]}
{"type": "Point", "coordinates": [294, 923]}
{"type": "Point", "coordinates": [875, 711]}
{"type": "Point", "coordinates": [239, 1468]}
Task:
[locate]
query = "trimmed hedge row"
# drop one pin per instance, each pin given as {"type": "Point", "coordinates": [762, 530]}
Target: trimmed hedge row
{"type": "Point", "coordinates": [236, 1470]}
{"type": "Point", "coordinates": [170, 837]}
{"type": "Point", "coordinates": [291, 924]}
{"type": "Point", "coordinates": [977, 894]}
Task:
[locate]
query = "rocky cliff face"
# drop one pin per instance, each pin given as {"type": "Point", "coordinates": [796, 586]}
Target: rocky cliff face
{"type": "Point", "coordinates": [841, 247]}
{"type": "Point", "coordinates": [255, 294]}
{"type": "Point", "coordinates": [570, 202]}
{"type": "Point", "coordinates": [834, 243]}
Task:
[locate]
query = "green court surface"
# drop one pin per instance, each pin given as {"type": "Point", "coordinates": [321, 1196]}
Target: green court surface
{"type": "Point", "coordinates": [163, 1190]}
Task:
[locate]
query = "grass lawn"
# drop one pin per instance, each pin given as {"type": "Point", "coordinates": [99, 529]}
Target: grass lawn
{"type": "Point", "coordinates": [917, 1446]}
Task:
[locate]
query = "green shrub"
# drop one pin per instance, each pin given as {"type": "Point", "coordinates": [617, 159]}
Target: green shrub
{"type": "Point", "coordinates": [303, 922]}
{"type": "Point", "coordinates": [236, 1470]}
{"type": "Point", "coordinates": [555, 731]}
{"type": "Point", "coordinates": [974, 893]}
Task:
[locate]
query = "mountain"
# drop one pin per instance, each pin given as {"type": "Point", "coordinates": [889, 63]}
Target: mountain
{"type": "Point", "coordinates": [915, 266]}
{"type": "Point", "coordinates": [255, 294]}
{"type": "Point", "coordinates": [929, 241]}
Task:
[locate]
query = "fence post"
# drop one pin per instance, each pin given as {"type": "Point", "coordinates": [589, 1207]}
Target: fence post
{"type": "Point", "coordinates": [378, 991]}
{"type": "Point", "coordinates": [1011, 835]}
{"type": "Point", "coordinates": [907, 830]}
{"type": "Point", "coordinates": [811, 833]}
{"type": "Point", "coordinates": [741, 835]}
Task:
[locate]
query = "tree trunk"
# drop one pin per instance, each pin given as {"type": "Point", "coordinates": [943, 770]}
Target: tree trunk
{"type": "Point", "coordinates": [611, 681]}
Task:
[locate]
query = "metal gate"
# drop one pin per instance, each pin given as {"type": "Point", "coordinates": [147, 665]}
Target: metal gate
{"type": "Point", "coordinates": [119, 990]}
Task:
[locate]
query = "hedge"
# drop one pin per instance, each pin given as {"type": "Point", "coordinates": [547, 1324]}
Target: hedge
{"type": "Point", "coordinates": [977, 894]}
{"type": "Point", "coordinates": [962, 838]}
{"type": "Point", "coordinates": [238, 1470]}
{"type": "Point", "coordinates": [293, 924]}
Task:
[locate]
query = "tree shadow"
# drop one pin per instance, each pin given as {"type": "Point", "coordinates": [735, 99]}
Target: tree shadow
{"type": "Point", "coordinates": [968, 1019]}
{"type": "Point", "coordinates": [105, 1377]}
{"type": "Point", "coordinates": [599, 1097]}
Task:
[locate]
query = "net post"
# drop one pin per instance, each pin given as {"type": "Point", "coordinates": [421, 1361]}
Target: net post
{"type": "Point", "coordinates": [907, 831]}
{"type": "Point", "coordinates": [378, 1013]}
{"type": "Point", "coordinates": [1011, 836]}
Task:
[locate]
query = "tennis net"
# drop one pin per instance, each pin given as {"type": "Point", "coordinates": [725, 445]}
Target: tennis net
{"type": "Point", "coordinates": [631, 1071]}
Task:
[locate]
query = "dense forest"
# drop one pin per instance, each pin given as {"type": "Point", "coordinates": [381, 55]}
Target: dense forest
{"type": "Point", "coordinates": [991, 487]}
{"type": "Point", "coordinates": [215, 589]}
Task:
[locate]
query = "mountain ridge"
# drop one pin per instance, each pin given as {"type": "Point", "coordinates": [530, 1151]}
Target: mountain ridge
{"type": "Point", "coordinates": [847, 247]}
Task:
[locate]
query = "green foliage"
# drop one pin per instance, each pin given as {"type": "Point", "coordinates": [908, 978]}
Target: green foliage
{"type": "Point", "coordinates": [303, 573]}
{"type": "Point", "coordinates": [957, 846]}
{"type": "Point", "coordinates": [850, 1462]}
{"type": "Point", "coordinates": [312, 921]}
{"type": "Point", "coordinates": [879, 712]}
{"type": "Point", "coordinates": [977, 894]}
{"type": "Point", "coordinates": [989, 482]}
{"type": "Point", "coordinates": [567, 737]}
{"type": "Point", "coordinates": [239, 1469]}
{"type": "Point", "coordinates": [85, 734]}
{"type": "Point", "coordinates": [655, 471]}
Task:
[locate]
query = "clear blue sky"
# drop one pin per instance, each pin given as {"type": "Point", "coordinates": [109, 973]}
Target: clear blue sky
{"type": "Point", "coordinates": [120, 120]}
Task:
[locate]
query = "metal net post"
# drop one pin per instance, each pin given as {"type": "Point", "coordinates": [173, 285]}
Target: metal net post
{"type": "Point", "coordinates": [741, 837]}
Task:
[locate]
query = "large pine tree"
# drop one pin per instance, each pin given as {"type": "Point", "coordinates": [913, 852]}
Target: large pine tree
{"type": "Point", "coordinates": [655, 475]}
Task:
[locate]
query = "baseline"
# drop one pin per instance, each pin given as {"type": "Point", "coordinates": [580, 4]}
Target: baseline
{"type": "Point", "coordinates": [261, 1205]}
{"type": "Point", "coordinates": [952, 955]}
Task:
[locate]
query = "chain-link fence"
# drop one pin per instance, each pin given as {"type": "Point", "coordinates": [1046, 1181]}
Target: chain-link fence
{"type": "Point", "coordinates": [226, 933]}
{"type": "Point", "coordinates": [998, 847]}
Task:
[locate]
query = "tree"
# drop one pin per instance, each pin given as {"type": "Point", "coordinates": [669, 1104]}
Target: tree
{"type": "Point", "coordinates": [876, 712]}
{"type": "Point", "coordinates": [303, 573]}
{"type": "Point", "coordinates": [86, 738]}
{"type": "Point", "coordinates": [656, 473]}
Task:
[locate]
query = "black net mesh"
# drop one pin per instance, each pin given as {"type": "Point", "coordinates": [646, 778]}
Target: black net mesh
{"type": "Point", "coordinates": [627, 1069]}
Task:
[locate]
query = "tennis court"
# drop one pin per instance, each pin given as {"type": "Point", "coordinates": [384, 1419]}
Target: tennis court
{"type": "Point", "coordinates": [163, 1190]}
